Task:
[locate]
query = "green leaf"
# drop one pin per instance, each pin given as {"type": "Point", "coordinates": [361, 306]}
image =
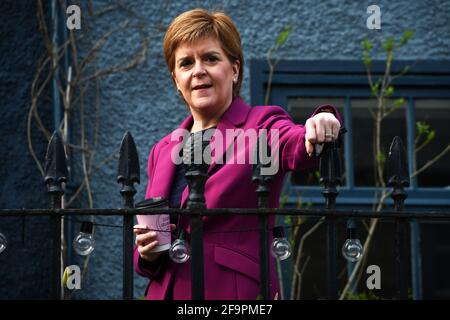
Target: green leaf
{"type": "Point", "coordinates": [283, 36]}
{"type": "Point", "coordinates": [399, 102]}
{"type": "Point", "coordinates": [431, 135]}
{"type": "Point", "coordinates": [422, 128]}
{"type": "Point", "coordinates": [367, 45]}
{"type": "Point", "coordinates": [389, 91]}
{"type": "Point", "coordinates": [407, 35]}
{"type": "Point", "coordinates": [389, 44]}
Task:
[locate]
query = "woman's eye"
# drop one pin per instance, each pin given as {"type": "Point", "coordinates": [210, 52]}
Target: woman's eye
{"type": "Point", "coordinates": [211, 58]}
{"type": "Point", "coordinates": [185, 63]}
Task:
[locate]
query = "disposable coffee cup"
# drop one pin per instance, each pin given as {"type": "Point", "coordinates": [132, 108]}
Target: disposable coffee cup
{"type": "Point", "coordinates": [159, 223]}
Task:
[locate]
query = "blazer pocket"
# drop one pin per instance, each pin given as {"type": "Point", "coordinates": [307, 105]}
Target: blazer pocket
{"type": "Point", "coordinates": [237, 261]}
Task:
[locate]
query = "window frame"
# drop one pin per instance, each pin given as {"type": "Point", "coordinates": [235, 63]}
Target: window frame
{"type": "Point", "coordinates": [348, 79]}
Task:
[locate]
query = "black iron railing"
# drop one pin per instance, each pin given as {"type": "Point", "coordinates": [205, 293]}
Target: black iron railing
{"type": "Point", "coordinates": [398, 179]}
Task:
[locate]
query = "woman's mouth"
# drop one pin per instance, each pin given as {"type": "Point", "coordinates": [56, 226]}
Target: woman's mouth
{"type": "Point", "coordinates": [202, 87]}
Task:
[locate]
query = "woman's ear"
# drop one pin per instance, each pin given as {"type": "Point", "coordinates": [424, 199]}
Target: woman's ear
{"type": "Point", "coordinates": [236, 68]}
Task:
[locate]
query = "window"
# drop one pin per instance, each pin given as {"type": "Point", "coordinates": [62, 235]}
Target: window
{"type": "Point", "coordinates": [301, 86]}
{"type": "Point", "coordinates": [435, 114]}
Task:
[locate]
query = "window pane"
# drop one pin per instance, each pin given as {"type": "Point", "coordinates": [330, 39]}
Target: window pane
{"type": "Point", "coordinates": [301, 109]}
{"type": "Point", "coordinates": [436, 114]}
{"type": "Point", "coordinates": [363, 137]}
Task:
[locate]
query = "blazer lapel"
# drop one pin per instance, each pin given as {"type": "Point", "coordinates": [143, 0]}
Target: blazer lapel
{"type": "Point", "coordinates": [235, 116]}
{"type": "Point", "coordinates": [164, 171]}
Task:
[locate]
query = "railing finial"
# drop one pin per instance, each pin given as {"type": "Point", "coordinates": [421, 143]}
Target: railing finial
{"type": "Point", "coordinates": [129, 171]}
{"type": "Point", "coordinates": [55, 168]}
{"type": "Point", "coordinates": [397, 171]}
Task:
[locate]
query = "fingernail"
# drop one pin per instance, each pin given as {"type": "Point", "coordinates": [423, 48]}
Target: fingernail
{"type": "Point", "coordinates": [153, 234]}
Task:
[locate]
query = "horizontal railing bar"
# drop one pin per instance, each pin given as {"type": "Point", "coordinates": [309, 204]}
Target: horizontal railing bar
{"type": "Point", "coordinates": [444, 215]}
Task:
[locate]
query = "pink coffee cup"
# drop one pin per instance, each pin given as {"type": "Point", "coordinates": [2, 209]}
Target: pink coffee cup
{"type": "Point", "coordinates": [160, 223]}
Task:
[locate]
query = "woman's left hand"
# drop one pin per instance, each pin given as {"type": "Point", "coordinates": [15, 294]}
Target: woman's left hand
{"type": "Point", "coordinates": [323, 127]}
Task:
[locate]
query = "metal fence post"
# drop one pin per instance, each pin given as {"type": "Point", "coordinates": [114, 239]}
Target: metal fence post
{"type": "Point", "coordinates": [398, 178]}
{"type": "Point", "coordinates": [262, 191]}
{"type": "Point", "coordinates": [55, 175]}
{"type": "Point", "coordinates": [196, 176]}
{"type": "Point", "coordinates": [330, 177]}
{"type": "Point", "coordinates": [128, 174]}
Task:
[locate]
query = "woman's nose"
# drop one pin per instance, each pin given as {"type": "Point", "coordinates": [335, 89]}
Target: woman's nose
{"type": "Point", "coordinates": [199, 70]}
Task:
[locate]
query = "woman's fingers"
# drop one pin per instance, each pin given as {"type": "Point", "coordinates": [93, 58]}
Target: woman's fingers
{"type": "Point", "coordinates": [140, 228]}
{"type": "Point", "coordinates": [311, 130]}
{"type": "Point", "coordinates": [145, 250]}
{"type": "Point", "coordinates": [323, 127]}
{"type": "Point", "coordinates": [335, 129]}
{"type": "Point", "coordinates": [145, 238]}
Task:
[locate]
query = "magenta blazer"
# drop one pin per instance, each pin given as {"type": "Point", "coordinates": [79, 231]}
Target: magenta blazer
{"type": "Point", "coordinates": [231, 260]}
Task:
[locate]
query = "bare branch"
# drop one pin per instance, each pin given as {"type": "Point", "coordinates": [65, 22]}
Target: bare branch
{"type": "Point", "coordinates": [431, 162]}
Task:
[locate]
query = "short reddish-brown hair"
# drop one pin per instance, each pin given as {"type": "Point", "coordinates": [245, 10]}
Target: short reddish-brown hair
{"type": "Point", "coordinates": [199, 23]}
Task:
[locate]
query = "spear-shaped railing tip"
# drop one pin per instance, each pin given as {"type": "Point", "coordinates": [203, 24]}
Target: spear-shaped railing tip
{"type": "Point", "coordinates": [129, 171]}
{"type": "Point", "coordinates": [55, 167]}
{"type": "Point", "coordinates": [397, 165]}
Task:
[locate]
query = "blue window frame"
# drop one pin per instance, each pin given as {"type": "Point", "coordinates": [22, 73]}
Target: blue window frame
{"type": "Point", "coordinates": [347, 80]}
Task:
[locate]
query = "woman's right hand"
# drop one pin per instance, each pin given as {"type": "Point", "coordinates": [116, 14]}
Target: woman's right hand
{"type": "Point", "coordinates": [146, 241]}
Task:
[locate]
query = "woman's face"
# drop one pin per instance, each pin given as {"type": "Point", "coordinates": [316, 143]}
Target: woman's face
{"type": "Point", "coordinates": [204, 75]}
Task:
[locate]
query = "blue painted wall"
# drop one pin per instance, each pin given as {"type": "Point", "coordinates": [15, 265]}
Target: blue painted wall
{"type": "Point", "coordinates": [144, 101]}
{"type": "Point", "coordinates": [24, 265]}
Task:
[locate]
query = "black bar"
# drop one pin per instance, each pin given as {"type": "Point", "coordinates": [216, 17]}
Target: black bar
{"type": "Point", "coordinates": [263, 255]}
{"type": "Point", "coordinates": [128, 249]}
{"type": "Point", "coordinates": [197, 257]}
{"type": "Point", "coordinates": [336, 213]}
{"type": "Point", "coordinates": [332, 293]}
{"type": "Point", "coordinates": [402, 271]}
{"type": "Point", "coordinates": [196, 176]}
{"type": "Point", "coordinates": [128, 279]}
{"type": "Point", "coordinates": [56, 248]}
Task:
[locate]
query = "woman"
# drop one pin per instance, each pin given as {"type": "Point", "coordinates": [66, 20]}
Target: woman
{"type": "Point", "coordinates": [204, 55]}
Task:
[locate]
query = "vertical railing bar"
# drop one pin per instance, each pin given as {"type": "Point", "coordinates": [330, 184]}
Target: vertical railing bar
{"type": "Point", "coordinates": [398, 178]}
{"type": "Point", "coordinates": [416, 260]}
{"type": "Point", "coordinates": [196, 176]}
{"type": "Point", "coordinates": [128, 175]}
{"type": "Point", "coordinates": [197, 270]}
{"type": "Point", "coordinates": [330, 177]}
{"type": "Point", "coordinates": [55, 175]}
{"type": "Point", "coordinates": [263, 179]}
{"type": "Point", "coordinates": [263, 255]}
{"type": "Point", "coordinates": [128, 279]}
{"type": "Point", "coordinates": [56, 250]}
{"type": "Point", "coordinates": [402, 272]}
{"type": "Point", "coordinates": [331, 259]}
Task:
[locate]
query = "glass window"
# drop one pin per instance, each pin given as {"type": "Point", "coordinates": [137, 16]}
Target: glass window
{"type": "Point", "coordinates": [301, 109]}
{"type": "Point", "coordinates": [364, 141]}
{"type": "Point", "coordinates": [433, 116]}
